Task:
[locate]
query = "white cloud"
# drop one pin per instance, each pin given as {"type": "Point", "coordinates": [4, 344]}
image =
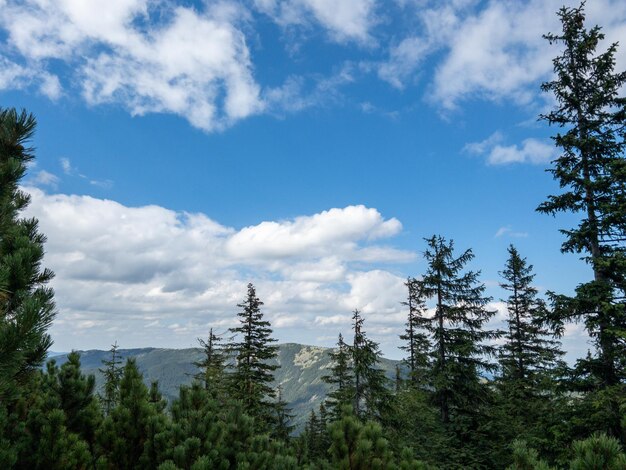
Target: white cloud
{"type": "Point", "coordinates": [499, 53]}
{"type": "Point", "coordinates": [123, 268]}
{"type": "Point", "coordinates": [345, 20]}
{"type": "Point", "coordinates": [70, 170]}
{"type": "Point", "coordinates": [530, 151]}
{"type": "Point", "coordinates": [328, 231]}
{"type": "Point", "coordinates": [403, 60]}
{"type": "Point", "coordinates": [44, 178]}
{"type": "Point", "coordinates": [66, 164]}
{"type": "Point", "coordinates": [123, 56]}
{"type": "Point", "coordinates": [489, 50]}
{"type": "Point", "coordinates": [508, 231]}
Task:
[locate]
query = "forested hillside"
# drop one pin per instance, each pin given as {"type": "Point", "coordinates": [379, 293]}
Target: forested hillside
{"type": "Point", "coordinates": [300, 373]}
{"type": "Point", "coordinates": [232, 403]}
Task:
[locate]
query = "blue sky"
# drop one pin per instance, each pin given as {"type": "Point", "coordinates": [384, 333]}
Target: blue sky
{"type": "Point", "coordinates": [307, 146]}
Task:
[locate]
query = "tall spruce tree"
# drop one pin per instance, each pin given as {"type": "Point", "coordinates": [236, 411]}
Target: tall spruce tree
{"type": "Point", "coordinates": [26, 302]}
{"type": "Point", "coordinates": [371, 395]}
{"type": "Point", "coordinates": [341, 379]}
{"type": "Point", "coordinates": [457, 329]}
{"type": "Point", "coordinates": [531, 368]}
{"type": "Point", "coordinates": [529, 350]}
{"type": "Point", "coordinates": [253, 350]}
{"type": "Point", "coordinates": [592, 171]}
{"type": "Point", "coordinates": [417, 343]}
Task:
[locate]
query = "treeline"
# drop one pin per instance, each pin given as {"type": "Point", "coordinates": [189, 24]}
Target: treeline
{"type": "Point", "coordinates": [468, 396]}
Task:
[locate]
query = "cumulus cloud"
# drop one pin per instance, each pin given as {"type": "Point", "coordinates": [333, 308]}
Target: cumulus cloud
{"type": "Point", "coordinates": [347, 20]}
{"type": "Point", "coordinates": [14, 76]}
{"type": "Point", "coordinates": [194, 63]}
{"type": "Point", "coordinates": [530, 151]}
{"type": "Point", "coordinates": [490, 51]}
{"type": "Point", "coordinates": [148, 274]}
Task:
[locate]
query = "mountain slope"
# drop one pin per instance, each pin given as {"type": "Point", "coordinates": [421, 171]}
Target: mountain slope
{"type": "Point", "coordinates": [300, 372]}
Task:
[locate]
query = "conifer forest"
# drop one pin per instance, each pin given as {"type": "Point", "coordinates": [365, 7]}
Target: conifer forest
{"type": "Point", "coordinates": [464, 397]}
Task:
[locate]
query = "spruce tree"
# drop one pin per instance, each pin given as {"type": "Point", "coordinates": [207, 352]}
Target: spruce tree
{"type": "Point", "coordinates": [341, 379]}
{"type": "Point", "coordinates": [457, 329]}
{"type": "Point", "coordinates": [529, 399]}
{"type": "Point", "coordinates": [26, 302]}
{"type": "Point", "coordinates": [417, 343]}
{"type": "Point", "coordinates": [253, 372]}
{"type": "Point", "coordinates": [529, 351]}
{"type": "Point", "coordinates": [212, 364]}
{"type": "Point", "coordinates": [283, 418]}
{"type": "Point", "coordinates": [591, 116]}
{"type": "Point", "coordinates": [112, 374]}
{"type": "Point", "coordinates": [371, 395]}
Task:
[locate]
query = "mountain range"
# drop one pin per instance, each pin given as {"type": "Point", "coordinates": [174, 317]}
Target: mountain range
{"type": "Point", "coordinates": [299, 375]}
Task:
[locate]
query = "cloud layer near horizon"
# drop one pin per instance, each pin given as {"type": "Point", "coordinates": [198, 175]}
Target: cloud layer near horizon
{"type": "Point", "coordinates": [149, 275]}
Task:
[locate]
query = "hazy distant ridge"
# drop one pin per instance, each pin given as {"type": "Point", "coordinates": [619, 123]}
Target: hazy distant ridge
{"type": "Point", "coordinates": [300, 374]}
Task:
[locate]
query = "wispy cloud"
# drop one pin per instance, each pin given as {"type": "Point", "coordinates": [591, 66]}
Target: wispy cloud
{"type": "Point", "coordinates": [345, 21]}
{"type": "Point", "coordinates": [509, 232]}
{"type": "Point", "coordinates": [531, 150]}
{"type": "Point", "coordinates": [70, 170]}
{"type": "Point", "coordinates": [44, 178]}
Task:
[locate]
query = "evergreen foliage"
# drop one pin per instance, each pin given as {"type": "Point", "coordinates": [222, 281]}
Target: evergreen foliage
{"type": "Point", "coordinates": [26, 302]}
{"type": "Point", "coordinates": [417, 343]}
{"type": "Point", "coordinates": [456, 330]}
{"type": "Point", "coordinates": [252, 373]}
{"type": "Point", "coordinates": [536, 414]}
{"type": "Point", "coordinates": [125, 430]}
{"type": "Point", "coordinates": [371, 395]}
{"type": "Point", "coordinates": [591, 170]}
{"type": "Point", "coordinates": [212, 365]}
{"type": "Point", "coordinates": [530, 366]}
{"type": "Point", "coordinates": [112, 372]}
{"type": "Point", "coordinates": [341, 378]}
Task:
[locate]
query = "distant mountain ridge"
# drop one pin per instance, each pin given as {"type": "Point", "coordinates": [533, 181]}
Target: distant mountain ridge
{"type": "Point", "coordinates": [299, 375]}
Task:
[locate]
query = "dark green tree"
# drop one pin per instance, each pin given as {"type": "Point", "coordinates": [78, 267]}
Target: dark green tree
{"type": "Point", "coordinates": [456, 329]}
{"type": "Point", "coordinates": [312, 439]}
{"type": "Point", "coordinates": [43, 438]}
{"type": "Point", "coordinates": [357, 445]}
{"type": "Point", "coordinates": [125, 431]}
{"type": "Point", "coordinates": [598, 452]}
{"type": "Point", "coordinates": [253, 373]}
{"type": "Point", "coordinates": [112, 374]}
{"type": "Point", "coordinates": [341, 379]}
{"type": "Point", "coordinates": [78, 401]}
{"type": "Point", "coordinates": [591, 116]}
{"type": "Point", "coordinates": [525, 458]}
{"type": "Point", "coordinates": [26, 302]}
{"type": "Point", "coordinates": [283, 418]}
{"type": "Point", "coordinates": [371, 395]}
{"type": "Point", "coordinates": [416, 340]}
{"type": "Point", "coordinates": [212, 364]}
{"type": "Point", "coordinates": [529, 350]}
{"type": "Point", "coordinates": [529, 405]}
